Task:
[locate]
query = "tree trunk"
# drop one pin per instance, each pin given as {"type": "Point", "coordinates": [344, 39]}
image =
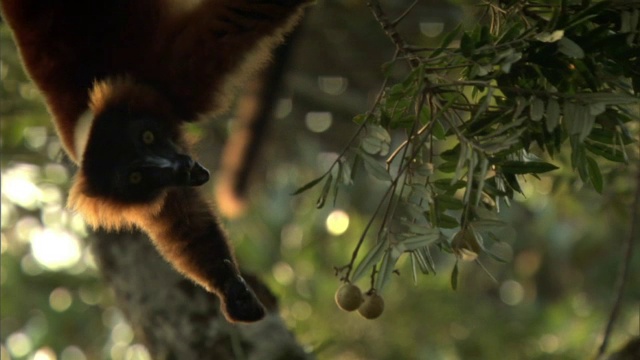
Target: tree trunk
{"type": "Point", "coordinates": [175, 318]}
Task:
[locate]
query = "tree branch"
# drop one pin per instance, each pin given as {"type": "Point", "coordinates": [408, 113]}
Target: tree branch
{"type": "Point", "coordinates": [390, 29]}
{"type": "Point", "coordinates": [174, 318]}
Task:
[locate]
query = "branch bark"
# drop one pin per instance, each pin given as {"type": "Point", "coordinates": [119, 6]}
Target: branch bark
{"type": "Point", "coordinates": [176, 319]}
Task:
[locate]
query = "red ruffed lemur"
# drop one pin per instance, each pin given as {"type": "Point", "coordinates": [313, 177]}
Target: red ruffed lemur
{"type": "Point", "coordinates": [120, 78]}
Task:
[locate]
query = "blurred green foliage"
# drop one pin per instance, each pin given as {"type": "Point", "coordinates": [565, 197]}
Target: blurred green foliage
{"type": "Point", "coordinates": [550, 301]}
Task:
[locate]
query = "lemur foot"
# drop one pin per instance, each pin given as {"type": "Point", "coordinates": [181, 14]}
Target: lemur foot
{"type": "Point", "coordinates": [240, 303]}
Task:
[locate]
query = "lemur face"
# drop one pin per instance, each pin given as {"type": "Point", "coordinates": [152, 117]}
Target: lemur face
{"type": "Point", "coordinates": [134, 157]}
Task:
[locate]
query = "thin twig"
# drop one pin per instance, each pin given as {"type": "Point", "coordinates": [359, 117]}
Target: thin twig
{"type": "Point", "coordinates": [392, 33]}
{"type": "Point", "coordinates": [623, 276]}
{"type": "Point", "coordinates": [404, 14]}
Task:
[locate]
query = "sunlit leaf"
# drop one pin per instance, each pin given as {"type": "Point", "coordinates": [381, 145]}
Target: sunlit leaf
{"type": "Point", "coordinates": [550, 37]}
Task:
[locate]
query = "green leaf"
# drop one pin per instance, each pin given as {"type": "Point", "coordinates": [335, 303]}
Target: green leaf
{"type": "Point", "coordinates": [494, 256]}
{"type": "Point", "coordinates": [373, 256]}
{"type": "Point", "coordinates": [325, 192]}
{"type": "Point", "coordinates": [466, 45]}
{"type": "Point", "coordinates": [548, 37]}
{"type": "Point", "coordinates": [487, 224]}
{"type": "Point", "coordinates": [607, 98]}
{"type": "Point", "coordinates": [530, 167]}
{"type": "Point", "coordinates": [447, 222]}
{"type": "Point", "coordinates": [413, 268]}
{"type": "Point", "coordinates": [597, 108]}
{"type": "Point", "coordinates": [386, 269]}
{"type": "Point", "coordinates": [445, 202]}
{"type": "Point", "coordinates": [607, 152]}
{"type": "Point", "coordinates": [425, 260]}
{"type": "Point", "coordinates": [360, 119]}
{"type": "Point", "coordinates": [376, 141]}
{"type": "Point", "coordinates": [536, 109]}
{"type": "Point", "coordinates": [309, 185]}
{"type": "Point", "coordinates": [553, 114]}
{"type": "Point", "coordinates": [447, 41]}
{"type": "Point", "coordinates": [446, 184]}
{"type": "Point", "coordinates": [418, 241]}
{"type": "Point", "coordinates": [594, 174]}
{"type": "Point", "coordinates": [610, 137]}
{"type": "Point", "coordinates": [577, 152]}
{"type": "Point", "coordinates": [454, 276]}
{"type": "Point", "coordinates": [512, 181]}
{"type": "Point", "coordinates": [438, 130]}
{"type": "Point", "coordinates": [587, 13]}
{"type": "Point", "coordinates": [570, 48]}
{"type": "Point", "coordinates": [374, 167]}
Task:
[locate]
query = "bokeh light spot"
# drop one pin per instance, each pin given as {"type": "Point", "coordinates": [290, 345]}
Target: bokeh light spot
{"type": "Point", "coordinates": [122, 334]}
{"type": "Point", "coordinates": [318, 121]}
{"type": "Point", "coordinates": [337, 222]}
{"type": "Point", "coordinates": [431, 28]}
{"type": "Point", "coordinates": [511, 292]}
{"type": "Point", "coordinates": [19, 344]}
{"type": "Point", "coordinates": [45, 353]}
{"type": "Point", "coordinates": [55, 249]}
{"type": "Point", "coordinates": [549, 343]}
{"type": "Point", "coordinates": [333, 85]}
{"type": "Point", "coordinates": [137, 352]}
{"type": "Point", "coordinates": [301, 310]}
{"type": "Point", "coordinates": [19, 187]}
{"type": "Point", "coordinates": [283, 273]}
{"type": "Point", "coordinates": [60, 299]}
{"type": "Point", "coordinates": [72, 353]}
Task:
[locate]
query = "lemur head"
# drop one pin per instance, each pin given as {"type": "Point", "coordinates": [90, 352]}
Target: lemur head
{"type": "Point", "coordinates": [131, 147]}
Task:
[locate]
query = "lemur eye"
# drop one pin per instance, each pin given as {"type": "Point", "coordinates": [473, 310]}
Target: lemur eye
{"type": "Point", "coordinates": [148, 137]}
{"type": "Point", "coordinates": [135, 177]}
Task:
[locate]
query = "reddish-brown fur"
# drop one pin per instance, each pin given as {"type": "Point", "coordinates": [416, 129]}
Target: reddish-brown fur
{"type": "Point", "coordinates": [192, 55]}
{"type": "Point", "coordinates": [174, 60]}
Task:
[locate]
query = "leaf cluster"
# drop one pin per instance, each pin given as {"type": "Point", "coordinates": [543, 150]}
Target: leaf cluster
{"type": "Point", "coordinates": [490, 105]}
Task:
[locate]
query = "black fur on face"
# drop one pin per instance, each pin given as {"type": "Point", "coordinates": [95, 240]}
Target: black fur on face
{"type": "Point", "coordinates": [133, 157]}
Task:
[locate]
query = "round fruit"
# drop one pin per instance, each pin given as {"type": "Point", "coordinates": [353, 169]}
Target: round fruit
{"type": "Point", "coordinates": [349, 297]}
{"type": "Point", "coordinates": [372, 307]}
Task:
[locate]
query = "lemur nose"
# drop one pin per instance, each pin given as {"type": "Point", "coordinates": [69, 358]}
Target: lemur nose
{"type": "Point", "coordinates": [190, 172]}
{"type": "Point", "coordinates": [198, 174]}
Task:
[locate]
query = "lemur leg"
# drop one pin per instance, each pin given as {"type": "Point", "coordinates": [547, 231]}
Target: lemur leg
{"type": "Point", "coordinates": [217, 46]}
{"type": "Point", "coordinates": [187, 234]}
